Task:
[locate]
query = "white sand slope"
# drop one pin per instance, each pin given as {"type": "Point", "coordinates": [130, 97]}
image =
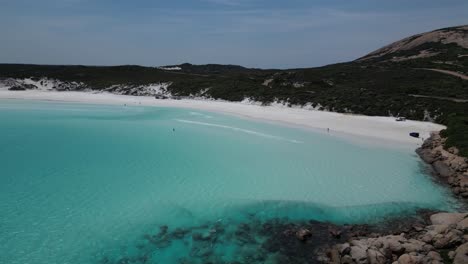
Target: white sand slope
{"type": "Point", "coordinates": [376, 129]}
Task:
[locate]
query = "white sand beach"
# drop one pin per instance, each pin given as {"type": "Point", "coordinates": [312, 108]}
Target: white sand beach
{"type": "Point", "coordinates": [377, 129]}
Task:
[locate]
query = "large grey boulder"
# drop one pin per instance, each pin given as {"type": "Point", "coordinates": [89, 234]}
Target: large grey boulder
{"type": "Point", "coordinates": [447, 218]}
{"type": "Point", "coordinates": [461, 254]}
{"type": "Point", "coordinates": [463, 224]}
{"type": "Point", "coordinates": [443, 169]}
{"type": "Point", "coordinates": [414, 245]}
{"type": "Point", "coordinates": [347, 260]}
{"type": "Point", "coordinates": [393, 243]}
{"type": "Point", "coordinates": [303, 234]}
{"type": "Point", "coordinates": [374, 256]}
{"type": "Point", "coordinates": [432, 258]}
{"type": "Point", "coordinates": [449, 239]}
{"type": "Point", "coordinates": [344, 249]}
{"type": "Point", "coordinates": [359, 255]}
{"type": "Point", "coordinates": [426, 155]}
{"type": "Point", "coordinates": [411, 258]}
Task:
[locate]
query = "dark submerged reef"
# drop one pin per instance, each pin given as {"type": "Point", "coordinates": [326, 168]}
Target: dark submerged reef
{"type": "Point", "coordinates": [277, 240]}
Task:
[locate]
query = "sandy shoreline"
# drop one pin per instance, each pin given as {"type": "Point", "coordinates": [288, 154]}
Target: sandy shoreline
{"type": "Point", "coordinates": [379, 129]}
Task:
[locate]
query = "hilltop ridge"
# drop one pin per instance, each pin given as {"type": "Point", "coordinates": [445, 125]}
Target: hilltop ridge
{"type": "Point", "coordinates": [441, 42]}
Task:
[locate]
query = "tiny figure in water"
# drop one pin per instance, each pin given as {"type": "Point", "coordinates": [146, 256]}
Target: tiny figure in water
{"type": "Point", "coordinates": [173, 130]}
{"type": "Point", "coordinates": [328, 130]}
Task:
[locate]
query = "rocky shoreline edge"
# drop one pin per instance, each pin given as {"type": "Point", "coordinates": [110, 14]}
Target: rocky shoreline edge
{"type": "Point", "coordinates": [443, 238]}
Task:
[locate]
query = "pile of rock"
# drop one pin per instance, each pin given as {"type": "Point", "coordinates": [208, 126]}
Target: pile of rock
{"type": "Point", "coordinates": [446, 163]}
{"type": "Point", "coordinates": [445, 240]}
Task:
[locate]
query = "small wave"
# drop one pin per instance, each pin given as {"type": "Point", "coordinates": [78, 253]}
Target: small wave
{"type": "Point", "coordinates": [200, 114]}
{"type": "Point", "coordinates": [251, 132]}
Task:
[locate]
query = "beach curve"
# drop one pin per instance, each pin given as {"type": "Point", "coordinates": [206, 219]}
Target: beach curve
{"type": "Point", "coordinates": [375, 128]}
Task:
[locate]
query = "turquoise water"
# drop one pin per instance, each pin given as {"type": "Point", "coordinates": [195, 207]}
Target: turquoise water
{"type": "Point", "coordinates": [94, 184]}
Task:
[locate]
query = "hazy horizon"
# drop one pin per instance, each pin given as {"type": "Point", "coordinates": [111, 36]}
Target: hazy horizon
{"type": "Point", "coordinates": [255, 34]}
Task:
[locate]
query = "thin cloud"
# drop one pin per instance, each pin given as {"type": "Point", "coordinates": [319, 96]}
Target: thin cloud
{"type": "Point", "coordinates": [226, 2]}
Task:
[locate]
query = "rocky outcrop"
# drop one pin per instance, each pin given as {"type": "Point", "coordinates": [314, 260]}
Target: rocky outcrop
{"type": "Point", "coordinates": [398, 51]}
{"type": "Point", "coordinates": [447, 218]}
{"type": "Point", "coordinates": [447, 165]}
{"type": "Point", "coordinates": [461, 254]}
{"type": "Point", "coordinates": [303, 234]}
{"type": "Point", "coordinates": [443, 240]}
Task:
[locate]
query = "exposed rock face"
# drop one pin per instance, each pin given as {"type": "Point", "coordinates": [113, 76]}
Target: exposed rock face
{"type": "Point", "coordinates": [448, 166]}
{"type": "Point", "coordinates": [446, 219]}
{"type": "Point", "coordinates": [418, 246]}
{"type": "Point", "coordinates": [461, 254]}
{"type": "Point", "coordinates": [455, 35]}
{"type": "Point", "coordinates": [443, 169]}
{"type": "Point", "coordinates": [303, 234]}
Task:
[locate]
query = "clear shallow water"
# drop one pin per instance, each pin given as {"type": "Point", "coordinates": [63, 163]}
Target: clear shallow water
{"type": "Point", "coordinates": [94, 184]}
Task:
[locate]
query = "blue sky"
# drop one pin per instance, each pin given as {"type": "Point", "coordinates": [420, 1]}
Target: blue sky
{"type": "Point", "coordinates": [254, 33]}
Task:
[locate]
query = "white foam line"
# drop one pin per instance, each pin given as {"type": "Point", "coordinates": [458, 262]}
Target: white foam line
{"type": "Point", "coordinates": [239, 129]}
{"type": "Point", "coordinates": [200, 114]}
